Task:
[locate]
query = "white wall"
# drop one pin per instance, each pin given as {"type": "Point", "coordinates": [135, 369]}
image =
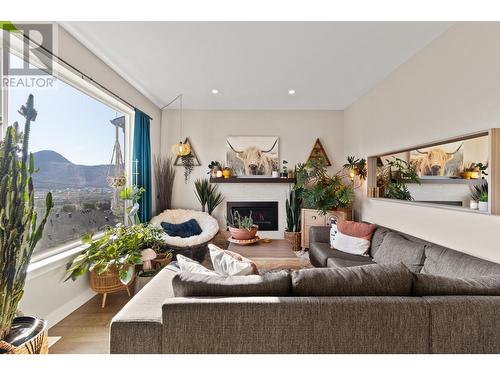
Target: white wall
{"type": "Point", "coordinates": [207, 131]}
{"type": "Point", "coordinates": [45, 294]}
{"type": "Point", "coordinates": [449, 88]}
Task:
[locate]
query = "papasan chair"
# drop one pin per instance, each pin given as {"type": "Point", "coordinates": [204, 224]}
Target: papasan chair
{"type": "Point", "coordinates": [194, 247]}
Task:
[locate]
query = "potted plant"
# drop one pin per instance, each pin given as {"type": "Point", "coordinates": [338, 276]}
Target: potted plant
{"type": "Point", "coordinates": [214, 167]}
{"type": "Point", "coordinates": [111, 258]}
{"type": "Point", "coordinates": [242, 227]}
{"type": "Point", "coordinates": [207, 195]}
{"type": "Point", "coordinates": [293, 217]}
{"type": "Point", "coordinates": [320, 190]}
{"type": "Point", "coordinates": [479, 194]}
{"type": "Point", "coordinates": [393, 177]}
{"type": "Point", "coordinates": [20, 231]}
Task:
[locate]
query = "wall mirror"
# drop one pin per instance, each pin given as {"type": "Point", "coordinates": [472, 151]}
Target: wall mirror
{"type": "Point", "coordinates": [458, 173]}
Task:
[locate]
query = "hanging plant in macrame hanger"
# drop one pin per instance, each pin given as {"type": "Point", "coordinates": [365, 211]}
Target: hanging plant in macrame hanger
{"type": "Point", "coordinates": [116, 178]}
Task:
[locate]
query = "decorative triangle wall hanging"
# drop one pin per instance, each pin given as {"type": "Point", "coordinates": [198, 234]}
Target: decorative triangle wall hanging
{"type": "Point", "coordinates": [188, 161]}
{"type": "Point", "coordinates": [318, 152]}
{"type": "Point", "coordinates": [196, 161]}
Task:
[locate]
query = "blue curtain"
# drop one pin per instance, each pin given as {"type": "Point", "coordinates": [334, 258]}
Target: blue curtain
{"type": "Point", "coordinates": [141, 162]}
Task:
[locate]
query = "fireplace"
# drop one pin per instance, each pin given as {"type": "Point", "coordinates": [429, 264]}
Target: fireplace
{"type": "Point", "coordinates": [264, 214]}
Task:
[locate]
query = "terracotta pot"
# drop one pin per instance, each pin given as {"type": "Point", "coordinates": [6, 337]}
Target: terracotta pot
{"type": "Point", "coordinates": [294, 238]}
{"type": "Point", "coordinates": [28, 335]}
{"type": "Point", "coordinates": [243, 234]}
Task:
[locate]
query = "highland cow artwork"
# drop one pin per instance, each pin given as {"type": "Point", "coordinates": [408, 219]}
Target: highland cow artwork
{"type": "Point", "coordinates": [252, 155]}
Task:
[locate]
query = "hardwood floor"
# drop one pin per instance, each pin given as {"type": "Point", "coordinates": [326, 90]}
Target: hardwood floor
{"type": "Point", "coordinates": [86, 330]}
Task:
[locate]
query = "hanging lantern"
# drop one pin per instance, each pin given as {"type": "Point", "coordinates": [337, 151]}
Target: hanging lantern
{"type": "Point", "coordinates": [181, 149]}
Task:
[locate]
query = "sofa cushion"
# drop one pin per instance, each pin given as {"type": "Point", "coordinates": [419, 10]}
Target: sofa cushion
{"type": "Point", "coordinates": [395, 248]}
{"type": "Point", "coordinates": [320, 252]}
{"type": "Point", "coordinates": [228, 263]}
{"type": "Point", "coordinates": [188, 265]}
{"type": "Point", "coordinates": [339, 262]}
{"type": "Point", "coordinates": [432, 285]}
{"type": "Point", "coordinates": [367, 280]}
{"type": "Point", "coordinates": [186, 229]}
{"type": "Point", "coordinates": [202, 285]}
{"type": "Point", "coordinates": [446, 262]}
{"type": "Point", "coordinates": [353, 237]}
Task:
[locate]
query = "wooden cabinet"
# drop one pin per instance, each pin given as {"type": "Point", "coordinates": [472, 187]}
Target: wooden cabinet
{"type": "Point", "coordinates": [312, 218]}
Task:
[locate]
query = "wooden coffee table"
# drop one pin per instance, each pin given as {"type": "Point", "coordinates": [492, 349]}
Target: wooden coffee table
{"type": "Point", "coordinates": [277, 254]}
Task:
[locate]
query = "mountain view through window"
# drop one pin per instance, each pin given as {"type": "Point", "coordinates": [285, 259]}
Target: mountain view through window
{"type": "Point", "coordinates": [78, 146]}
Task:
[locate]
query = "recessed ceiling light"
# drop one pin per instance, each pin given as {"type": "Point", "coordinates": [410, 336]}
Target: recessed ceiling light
{"type": "Point", "coordinates": [291, 92]}
{"type": "Point", "coordinates": [215, 91]}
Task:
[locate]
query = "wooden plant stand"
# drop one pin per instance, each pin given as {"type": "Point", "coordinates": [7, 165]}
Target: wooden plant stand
{"type": "Point", "coordinates": [108, 282]}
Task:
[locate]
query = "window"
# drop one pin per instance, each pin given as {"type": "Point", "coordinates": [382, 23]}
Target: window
{"type": "Point", "coordinates": [79, 145]}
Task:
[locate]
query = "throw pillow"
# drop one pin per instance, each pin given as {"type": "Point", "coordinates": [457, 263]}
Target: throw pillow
{"type": "Point", "coordinates": [203, 285]}
{"type": "Point", "coordinates": [188, 265]}
{"type": "Point", "coordinates": [433, 285]}
{"type": "Point", "coordinates": [187, 229]}
{"type": "Point", "coordinates": [227, 263]}
{"type": "Point", "coordinates": [395, 248]}
{"type": "Point", "coordinates": [352, 237]}
{"type": "Point", "coordinates": [333, 230]}
{"type": "Point", "coordinates": [368, 280]}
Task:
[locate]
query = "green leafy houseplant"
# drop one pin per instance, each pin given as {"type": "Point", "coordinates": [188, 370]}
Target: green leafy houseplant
{"type": "Point", "coordinates": [207, 195]}
{"type": "Point", "coordinates": [120, 247]}
{"type": "Point", "coordinates": [320, 190]}
{"type": "Point", "coordinates": [20, 229]}
{"type": "Point", "coordinates": [394, 176]}
{"type": "Point", "coordinates": [241, 222]}
{"type": "Point", "coordinates": [293, 207]}
{"type": "Point", "coordinates": [478, 192]}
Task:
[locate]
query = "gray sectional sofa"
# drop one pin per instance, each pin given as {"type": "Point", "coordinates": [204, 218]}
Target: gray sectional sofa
{"type": "Point", "coordinates": [155, 321]}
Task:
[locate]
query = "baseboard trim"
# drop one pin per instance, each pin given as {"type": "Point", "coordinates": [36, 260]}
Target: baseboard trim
{"type": "Point", "coordinates": [63, 311]}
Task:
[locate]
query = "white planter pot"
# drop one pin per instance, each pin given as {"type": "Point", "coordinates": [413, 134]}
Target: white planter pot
{"type": "Point", "coordinates": [473, 205]}
{"type": "Point", "coordinates": [483, 206]}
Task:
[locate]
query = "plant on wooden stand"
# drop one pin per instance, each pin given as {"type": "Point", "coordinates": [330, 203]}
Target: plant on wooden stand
{"type": "Point", "coordinates": [19, 232]}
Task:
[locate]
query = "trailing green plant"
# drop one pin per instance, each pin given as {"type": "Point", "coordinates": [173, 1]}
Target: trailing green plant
{"type": "Point", "coordinates": [320, 190]}
{"type": "Point", "coordinates": [20, 227]}
{"type": "Point", "coordinates": [479, 191]}
{"type": "Point", "coordinates": [241, 222]}
{"type": "Point", "coordinates": [293, 210]}
{"type": "Point", "coordinates": [394, 176]}
{"type": "Point", "coordinates": [119, 247]}
{"type": "Point", "coordinates": [164, 177]}
{"type": "Point", "coordinates": [188, 164]}
{"type": "Point", "coordinates": [208, 195]}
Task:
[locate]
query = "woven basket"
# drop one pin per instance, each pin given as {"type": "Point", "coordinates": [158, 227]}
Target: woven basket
{"type": "Point", "coordinates": [107, 282]}
{"type": "Point", "coordinates": [37, 344]}
{"type": "Point", "coordinates": [294, 238]}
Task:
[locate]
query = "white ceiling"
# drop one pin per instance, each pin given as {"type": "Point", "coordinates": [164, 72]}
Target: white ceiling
{"type": "Point", "coordinates": [254, 64]}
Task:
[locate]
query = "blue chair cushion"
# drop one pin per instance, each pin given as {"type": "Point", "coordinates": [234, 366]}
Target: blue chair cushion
{"type": "Point", "coordinates": [187, 229]}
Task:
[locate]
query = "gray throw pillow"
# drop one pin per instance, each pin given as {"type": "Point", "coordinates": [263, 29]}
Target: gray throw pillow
{"type": "Point", "coordinates": [395, 248]}
{"type": "Point", "coordinates": [433, 285]}
{"type": "Point", "coordinates": [368, 280]}
{"type": "Point", "coordinates": [203, 285]}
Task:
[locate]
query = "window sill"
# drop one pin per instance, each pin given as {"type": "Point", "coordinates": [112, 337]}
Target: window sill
{"type": "Point", "coordinates": [54, 259]}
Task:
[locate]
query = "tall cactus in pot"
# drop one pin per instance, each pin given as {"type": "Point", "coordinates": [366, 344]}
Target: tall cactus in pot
{"type": "Point", "coordinates": [20, 230]}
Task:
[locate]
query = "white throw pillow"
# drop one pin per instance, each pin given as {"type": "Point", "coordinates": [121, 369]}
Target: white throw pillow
{"type": "Point", "coordinates": [333, 230]}
{"type": "Point", "coordinates": [226, 265]}
{"type": "Point", "coordinates": [189, 265]}
{"type": "Point", "coordinates": [350, 244]}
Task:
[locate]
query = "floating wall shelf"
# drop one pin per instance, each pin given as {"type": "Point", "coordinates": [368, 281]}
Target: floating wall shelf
{"type": "Point", "coordinates": [252, 180]}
